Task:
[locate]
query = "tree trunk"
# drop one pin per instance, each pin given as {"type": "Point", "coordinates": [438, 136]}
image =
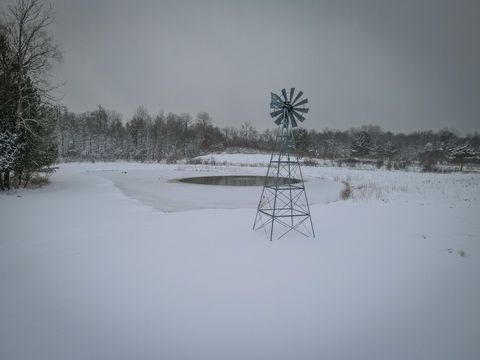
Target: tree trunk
{"type": "Point", "coordinates": [1, 181]}
{"type": "Point", "coordinates": [6, 179]}
{"type": "Point", "coordinates": [461, 166]}
{"type": "Point", "coordinates": [28, 176]}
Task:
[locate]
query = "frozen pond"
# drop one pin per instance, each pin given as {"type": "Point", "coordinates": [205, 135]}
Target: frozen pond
{"type": "Point", "coordinates": [237, 180]}
{"type": "Point", "coordinates": [163, 190]}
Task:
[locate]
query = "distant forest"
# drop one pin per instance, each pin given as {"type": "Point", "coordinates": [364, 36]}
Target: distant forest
{"type": "Point", "coordinates": [102, 135]}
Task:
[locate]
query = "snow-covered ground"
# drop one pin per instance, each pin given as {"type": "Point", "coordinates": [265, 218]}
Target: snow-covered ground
{"type": "Point", "coordinates": [115, 261]}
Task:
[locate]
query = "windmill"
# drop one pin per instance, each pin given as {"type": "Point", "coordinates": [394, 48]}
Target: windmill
{"type": "Point", "coordinates": [284, 203]}
{"type": "Point", "coordinates": [287, 112]}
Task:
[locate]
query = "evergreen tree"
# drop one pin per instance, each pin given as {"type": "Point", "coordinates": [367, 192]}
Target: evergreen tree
{"type": "Point", "coordinates": [361, 144]}
{"type": "Point", "coordinates": [461, 153]}
{"type": "Point", "coordinates": [389, 150]}
{"type": "Point", "coordinates": [9, 150]}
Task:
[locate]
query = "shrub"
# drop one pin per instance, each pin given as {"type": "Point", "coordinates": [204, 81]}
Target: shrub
{"type": "Point", "coordinates": [347, 191]}
{"type": "Point", "coordinates": [194, 161]}
{"type": "Point", "coordinates": [310, 162]}
{"type": "Point", "coordinates": [39, 180]}
{"type": "Point", "coordinates": [171, 159]}
{"type": "Point", "coordinates": [428, 165]}
{"type": "Point", "coordinates": [352, 162]}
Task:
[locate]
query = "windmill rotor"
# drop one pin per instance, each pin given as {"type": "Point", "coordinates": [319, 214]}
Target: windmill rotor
{"type": "Point", "coordinates": [286, 111]}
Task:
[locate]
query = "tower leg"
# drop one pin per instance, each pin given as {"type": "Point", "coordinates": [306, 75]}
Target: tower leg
{"type": "Point", "coordinates": [284, 200]}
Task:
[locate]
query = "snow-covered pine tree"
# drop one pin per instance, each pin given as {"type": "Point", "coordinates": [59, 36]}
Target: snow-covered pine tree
{"type": "Point", "coordinates": [376, 149]}
{"type": "Point", "coordinates": [389, 149]}
{"type": "Point", "coordinates": [460, 153]}
{"type": "Point", "coordinates": [361, 144]}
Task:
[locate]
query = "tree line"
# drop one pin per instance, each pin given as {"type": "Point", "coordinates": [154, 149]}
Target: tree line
{"type": "Point", "coordinates": [102, 135]}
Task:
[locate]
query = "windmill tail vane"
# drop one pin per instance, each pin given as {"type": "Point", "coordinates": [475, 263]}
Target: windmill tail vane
{"type": "Point", "coordinates": [283, 204]}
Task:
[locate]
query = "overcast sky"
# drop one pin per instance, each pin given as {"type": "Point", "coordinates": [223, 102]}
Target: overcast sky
{"type": "Point", "coordinates": [405, 65]}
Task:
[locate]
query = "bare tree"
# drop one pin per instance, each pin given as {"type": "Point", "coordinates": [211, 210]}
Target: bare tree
{"type": "Point", "coordinates": [6, 84]}
{"type": "Point", "coordinates": [185, 121]}
{"type": "Point", "coordinates": [203, 120]}
{"type": "Point", "coordinates": [248, 133]}
{"type": "Point", "coordinates": [33, 53]}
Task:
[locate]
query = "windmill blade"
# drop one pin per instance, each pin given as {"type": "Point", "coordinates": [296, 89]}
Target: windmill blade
{"type": "Point", "coordinates": [299, 95]}
{"type": "Point", "coordinates": [292, 90]}
{"type": "Point", "coordinates": [298, 116]}
{"type": "Point", "coordinates": [276, 113]}
{"type": "Point", "coordinates": [292, 120]}
{"type": "Point", "coordinates": [279, 120]}
{"type": "Point", "coordinates": [302, 110]}
{"type": "Point", "coordinates": [304, 101]}
{"type": "Point", "coordinates": [284, 93]}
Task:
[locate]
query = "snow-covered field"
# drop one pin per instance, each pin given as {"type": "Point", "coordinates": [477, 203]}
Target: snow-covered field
{"type": "Point", "coordinates": [116, 261]}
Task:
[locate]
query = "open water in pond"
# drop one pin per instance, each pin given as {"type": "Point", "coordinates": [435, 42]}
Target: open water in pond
{"type": "Point", "coordinates": [236, 180]}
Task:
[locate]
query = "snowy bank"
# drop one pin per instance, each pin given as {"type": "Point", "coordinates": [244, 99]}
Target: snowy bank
{"type": "Point", "coordinates": [90, 269]}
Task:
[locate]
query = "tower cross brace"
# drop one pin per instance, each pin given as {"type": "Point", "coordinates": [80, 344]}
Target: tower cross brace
{"type": "Point", "coordinates": [283, 205]}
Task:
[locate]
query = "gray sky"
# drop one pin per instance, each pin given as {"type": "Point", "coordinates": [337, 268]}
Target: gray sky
{"type": "Point", "coordinates": [405, 65]}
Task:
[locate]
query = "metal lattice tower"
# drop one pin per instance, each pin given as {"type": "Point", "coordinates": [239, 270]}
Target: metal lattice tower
{"type": "Point", "coordinates": [284, 201]}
